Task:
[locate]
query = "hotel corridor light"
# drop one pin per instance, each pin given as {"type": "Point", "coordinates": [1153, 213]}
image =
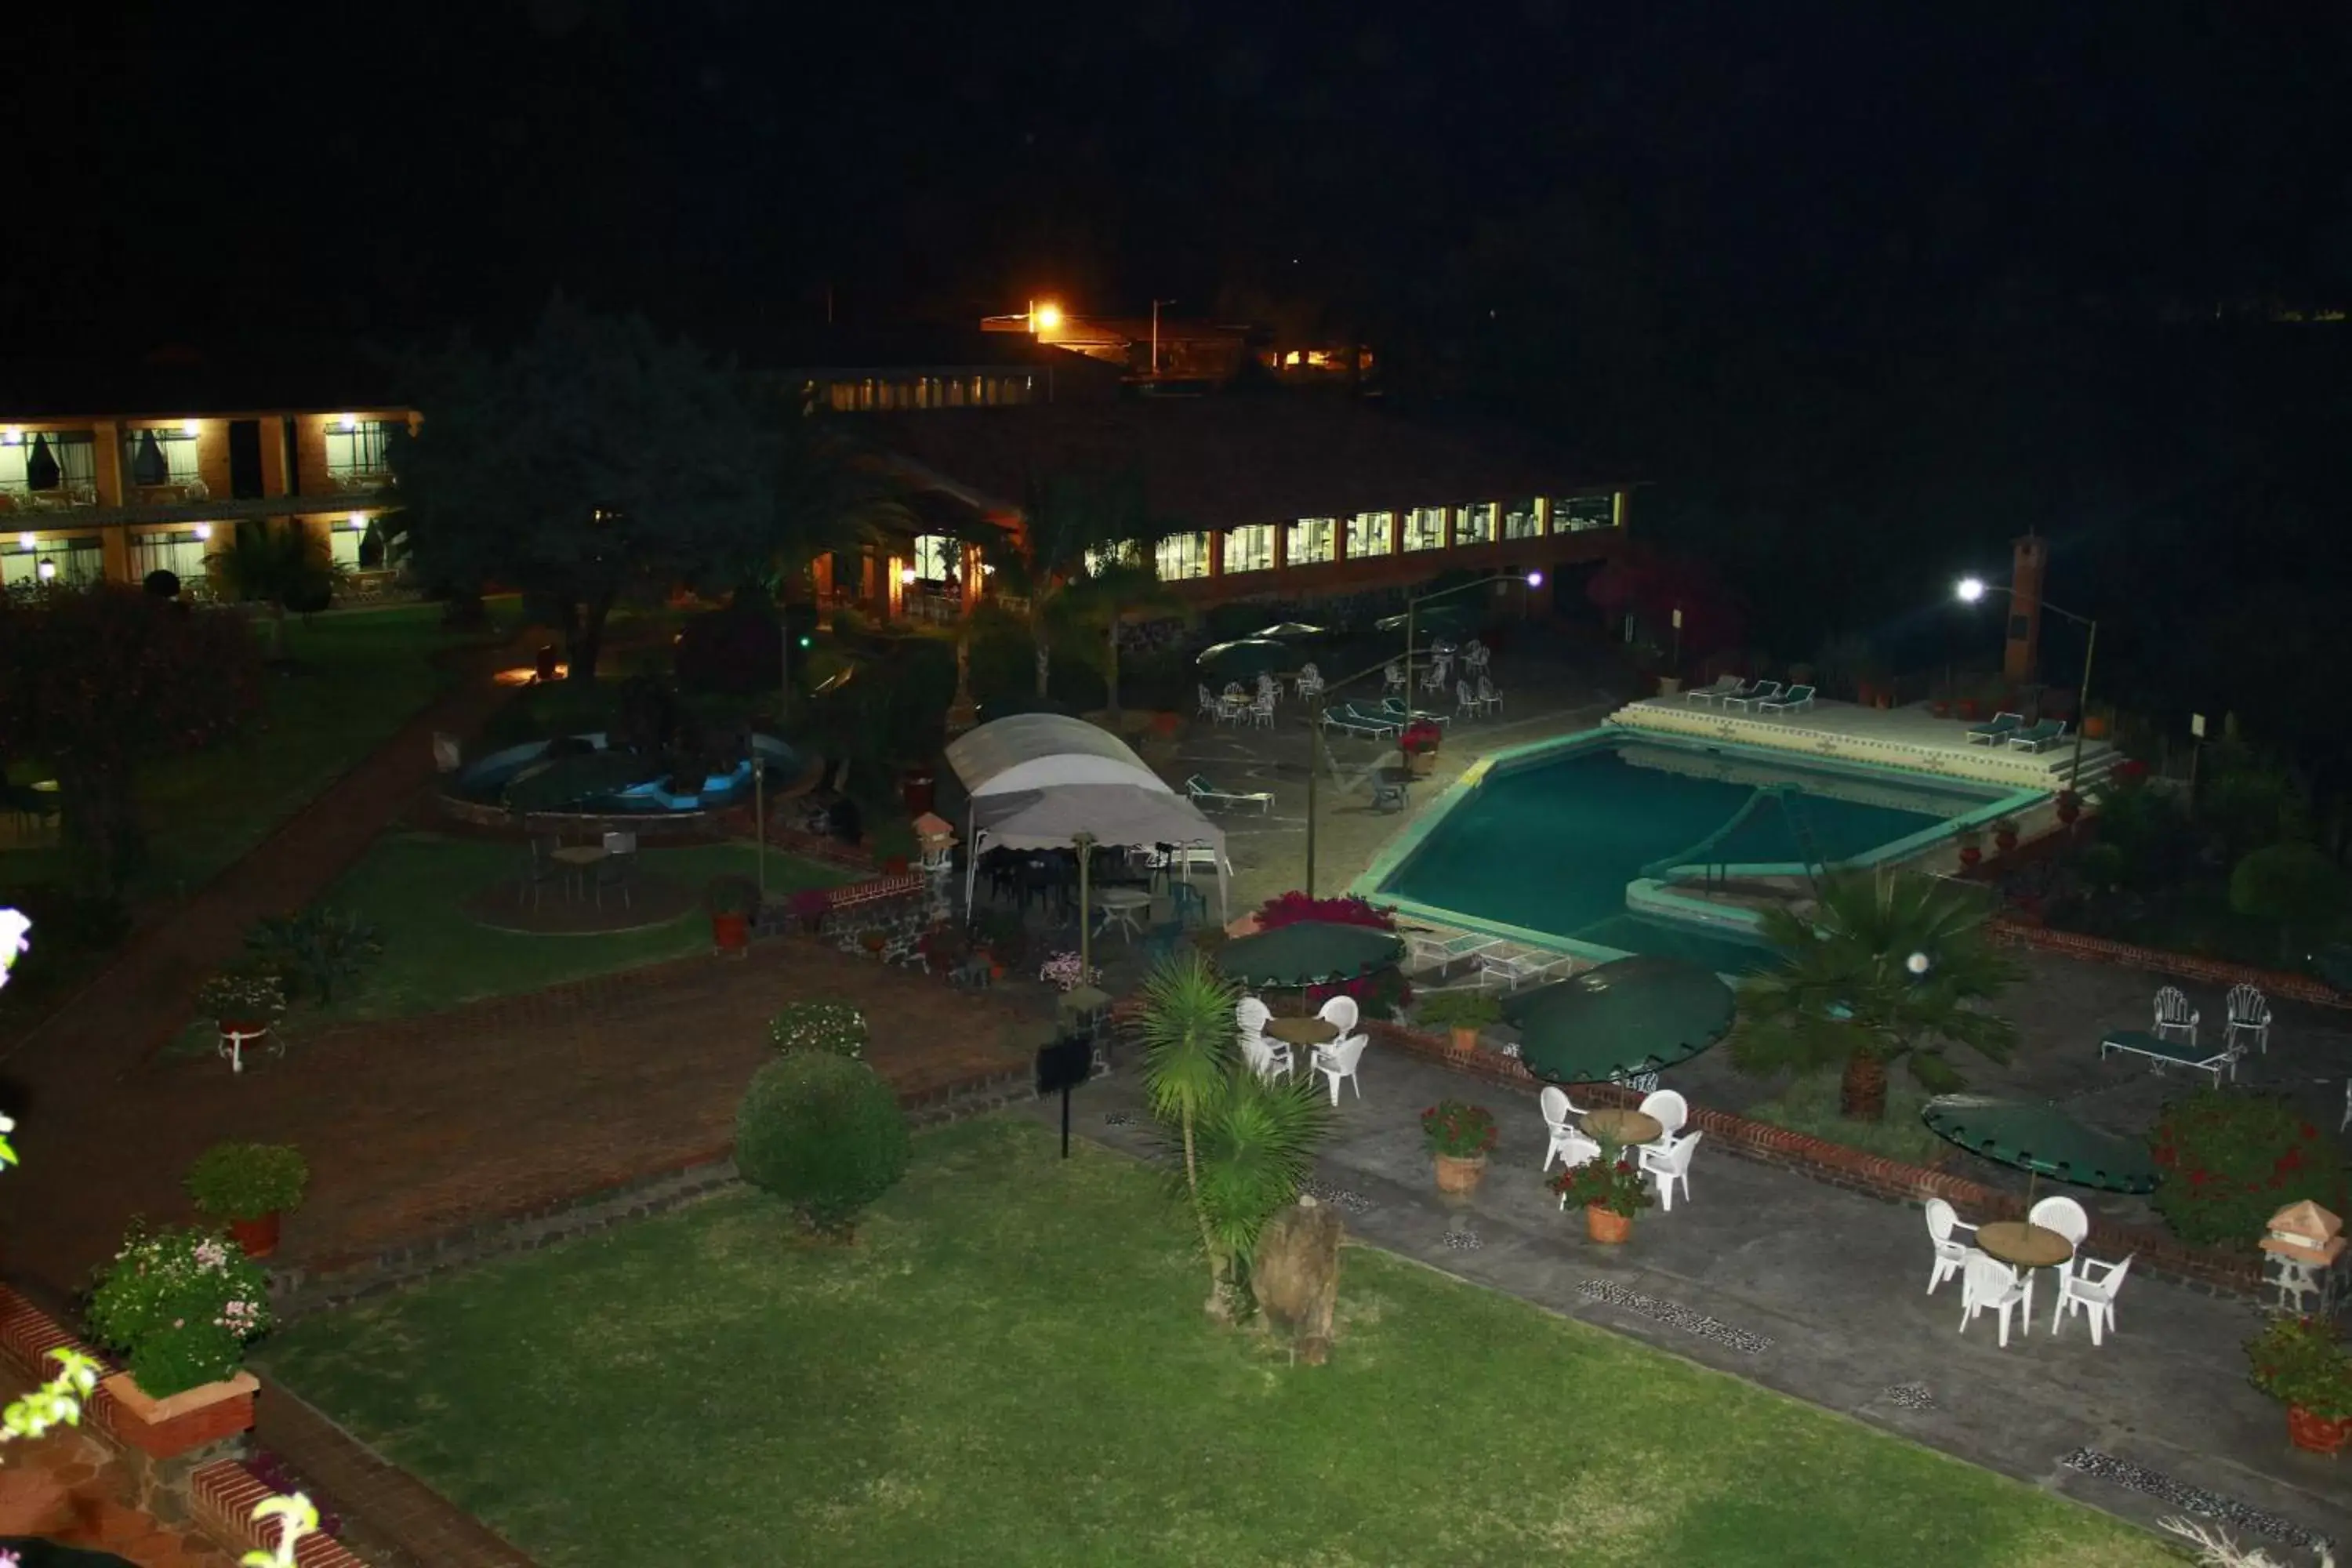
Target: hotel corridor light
{"type": "Point", "coordinates": [203, 531]}
{"type": "Point", "coordinates": [906, 575]}
{"type": "Point", "coordinates": [347, 422]}
{"type": "Point", "coordinates": [1969, 589]}
{"type": "Point", "coordinates": [1046, 318]}
{"type": "Point", "coordinates": [49, 571]}
{"type": "Point", "coordinates": [26, 540]}
{"type": "Point", "coordinates": [188, 427]}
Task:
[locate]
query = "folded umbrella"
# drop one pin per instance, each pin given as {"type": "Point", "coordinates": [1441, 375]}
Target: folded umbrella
{"type": "Point", "coordinates": [1627, 1016]}
{"type": "Point", "coordinates": [1309, 953]}
{"type": "Point", "coordinates": [2039, 1138]}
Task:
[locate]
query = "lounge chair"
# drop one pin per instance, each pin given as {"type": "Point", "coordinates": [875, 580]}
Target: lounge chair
{"type": "Point", "coordinates": [1725, 686]}
{"type": "Point", "coordinates": [1204, 794]}
{"type": "Point", "coordinates": [1999, 728]}
{"type": "Point", "coordinates": [1404, 715]}
{"type": "Point", "coordinates": [2040, 737]}
{"type": "Point", "coordinates": [1796, 699]}
{"type": "Point", "coordinates": [1355, 720]}
{"type": "Point", "coordinates": [1747, 697]}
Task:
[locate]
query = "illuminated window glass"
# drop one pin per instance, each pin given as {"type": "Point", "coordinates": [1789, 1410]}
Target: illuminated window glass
{"type": "Point", "coordinates": [1522, 520]}
{"type": "Point", "coordinates": [1575, 514]}
{"type": "Point", "coordinates": [1182, 556]}
{"type": "Point", "coordinates": [936, 557]}
{"type": "Point", "coordinates": [1371, 533]}
{"type": "Point", "coordinates": [1311, 541]}
{"type": "Point", "coordinates": [1474, 523]}
{"type": "Point", "coordinates": [1424, 528]}
{"type": "Point", "coordinates": [1249, 549]}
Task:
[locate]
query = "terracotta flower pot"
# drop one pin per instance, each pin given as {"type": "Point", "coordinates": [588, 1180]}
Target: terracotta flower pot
{"type": "Point", "coordinates": [2070, 807]}
{"type": "Point", "coordinates": [731, 933]}
{"type": "Point", "coordinates": [1456, 1174]}
{"type": "Point", "coordinates": [248, 1027]}
{"type": "Point", "coordinates": [2094, 728]}
{"type": "Point", "coordinates": [1421, 764]}
{"type": "Point", "coordinates": [1607, 1226]}
{"type": "Point", "coordinates": [164, 1427]}
{"type": "Point", "coordinates": [257, 1237]}
{"type": "Point", "coordinates": [1466, 1040]}
{"type": "Point", "coordinates": [2317, 1434]}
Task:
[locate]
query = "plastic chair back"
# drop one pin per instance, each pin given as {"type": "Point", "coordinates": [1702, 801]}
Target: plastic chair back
{"type": "Point", "coordinates": [1340, 1013]}
{"type": "Point", "coordinates": [1670, 1109]}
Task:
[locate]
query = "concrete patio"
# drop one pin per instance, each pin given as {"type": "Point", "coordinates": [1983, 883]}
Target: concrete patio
{"type": "Point", "coordinates": [1820, 1293]}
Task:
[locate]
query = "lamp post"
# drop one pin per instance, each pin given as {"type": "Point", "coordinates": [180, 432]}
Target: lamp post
{"type": "Point", "coordinates": [1970, 590]}
{"type": "Point", "coordinates": [1314, 704]}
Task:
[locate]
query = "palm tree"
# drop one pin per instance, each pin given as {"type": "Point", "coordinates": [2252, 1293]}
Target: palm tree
{"type": "Point", "coordinates": [1246, 1145]}
{"type": "Point", "coordinates": [286, 566]}
{"type": "Point", "coordinates": [1101, 600]}
{"type": "Point", "coordinates": [1885, 968]}
{"type": "Point", "coordinates": [1072, 523]}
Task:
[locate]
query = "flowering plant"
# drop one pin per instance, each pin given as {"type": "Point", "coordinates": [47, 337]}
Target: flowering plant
{"type": "Point", "coordinates": [1062, 971]}
{"type": "Point", "coordinates": [1290, 909]}
{"type": "Point", "coordinates": [830, 1028]}
{"type": "Point", "coordinates": [246, 1181]}
{"type": "Point", "coordinates": [2299, 1362]}
{"type": "Point", "coordinates": [179, 1303]}
{"type": "Point", "coordinates": [13, 941]}
{"type": "Point", "coordinates": [2233, 1160]}
{"type": "Point", "coordinates": [1459, 1130]}
{"type": "Point", "coordinates": [1420, 737]}
{"type": "Point", "coordinates": [241, 996]}
{"type": "Point", "coordinates": [1609, 1180]}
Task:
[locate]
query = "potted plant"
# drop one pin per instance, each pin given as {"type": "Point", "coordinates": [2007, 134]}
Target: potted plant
{"type": "Point", "coordinates": [943, 948]}
{"type": "Point", "coordinates": [2299, 1363]}
{"type": "Point", "coordinates": [2097, 721]}
{"type": "Point", "coordinates": [874, 938]}
{"type": "Point", "coordinates": [830, 1028]}
{"type": "Point", "coordinates": [250, 1186]}
{"type": "Point", "coordinates": [1612, 1190]}
{"type": "Point", "coordinates": [1971, 849]}
{"type": "Point", "coordinates": [2070, 807]}
{"type": "Point", "coordinates": [732, 901]}
{"type": "Point", "coordinates": [1419, 743]}
{"type": "Point", "coordinates": [1460, 1135]}
{"type": "Point", "coordinates": [1462, 1013]}
{"type": "Point", "coordinates": [810, 906]}
{"type": "Point", "coordinates": [1003, 939]}
{"type": "Point", "coordinates": [242, 1002]}
{"type": "Point", "coordinates": [894, 845]}
{"type": "Point", "coordinates": [2004, 835]}
{"type": "Point", "coordinates": [178, 1304]}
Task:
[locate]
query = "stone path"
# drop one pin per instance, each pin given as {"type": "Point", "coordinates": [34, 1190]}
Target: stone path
{"type": "Point", "coordinates": [1820, 1293]}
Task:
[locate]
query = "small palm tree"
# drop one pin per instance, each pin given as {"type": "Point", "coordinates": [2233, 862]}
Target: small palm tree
{"type": "Point", "coordinates": [1246, 1145]}
{"type": "Point", "coordinates": [1070, 518]}
{"type": "Point", "coordinates": [285, 566]}
{"type": "Point", "coordinates": [1886, 968]}
{"type": "Point", "coordinates": [1105, 597]}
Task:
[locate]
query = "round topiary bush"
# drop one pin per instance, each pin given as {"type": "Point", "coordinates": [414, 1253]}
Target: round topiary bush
{"type": "Point", "coordinates": [823, 1132]}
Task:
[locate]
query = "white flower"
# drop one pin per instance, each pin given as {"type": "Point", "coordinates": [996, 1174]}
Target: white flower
{"type": "Point", "coordinates": [13, 941]}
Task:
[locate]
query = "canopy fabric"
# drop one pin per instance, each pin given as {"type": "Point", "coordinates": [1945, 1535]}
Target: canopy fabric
{"type": "Point", "coordinates": [2031, 1136]}
{"type": "Point", "coordinates": [1042, 751]}
{"type": "Point", "coordinates": [1308, 953]}
{"type": "Point", "coordinates": [1631, 1015]}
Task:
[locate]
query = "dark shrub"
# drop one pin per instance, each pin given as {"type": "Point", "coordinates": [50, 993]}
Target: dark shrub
{"type": "Point", "coordinates": [316, 952]}
{"type": "Point", "coordinates": [823, 1132]}
{"type": "Point", "coordinates": [737, 649]}
{"type": "Point", "coordinates": [310, 599]}
{"type": "Point", "coordinates": [2230, 1160]}
{"type": "Point", "coordinates": [163, 585]}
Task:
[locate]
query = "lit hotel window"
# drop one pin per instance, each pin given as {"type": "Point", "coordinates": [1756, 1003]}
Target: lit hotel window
{"type": "Point", "coordinates": [1521, 520]}
{"type": "Point", "coordinates": [1574, 514]}
{"type": "Point", "coordinates": [1476, 523]}
{"type": "Point", "coordinates": [1182, 556]}
{"type": "Point", "coordinates": [1249, 549]}
{"type": "Point", "coordinates": [1371, 533]}
{"type": "Point", "coordinates": [1310, 541]}
{"type": "Point", "coordinates": [1424, 528]}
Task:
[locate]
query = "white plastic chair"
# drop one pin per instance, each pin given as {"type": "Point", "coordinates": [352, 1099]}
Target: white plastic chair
{"type": "Point", "coordinates": [1671, 1111]}
{"type": "Point", "coordinates": [1337, 1061]}
{"type": "Point", "coordinates": [1566, 1139]}
{"type": "Point", "coordinates": [1267, 1058]}
{"type": "Point", "coordinates": [2250, 1014]}
{"type": "Point", "coordinates": [1464, 700]}
{"type": "Point", "coordinates": [1669, 1165]}
{"type": "Point", "coordinates": [2175, 1018]}
{"type": "Point", "coordinates": [1986, 1281]}
{"type": "Point", "coordinates": [1944, 1223]}
{"type": "Point", "coordinates": [1489, 700]}
{"type": "Point", "coordinates": [1392, 676]}
{"type": "Point", "coordinates": [1209, 704]}
{"type": "Point", "coordinates": [1251, 1017]}
{"type": "Point", "coordinates": [2065, 1216]}
{"type": "Point", "coordinates": [2094, 1292]}
{"type": "Point", "coordinates": [1435, 677]}
{"type": "Point", "coordinates": [1340, 1013]}
{"type": "Point", "coordinates": [1310, 681]}
{"type": "Point", "coordinates": [1475, 654]}
{"type": "Point", "coordinates": [1261, 712]}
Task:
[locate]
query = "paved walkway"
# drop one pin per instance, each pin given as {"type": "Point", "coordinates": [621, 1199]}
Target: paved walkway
{"type": "Point", "coordinates": [1818, 1293]}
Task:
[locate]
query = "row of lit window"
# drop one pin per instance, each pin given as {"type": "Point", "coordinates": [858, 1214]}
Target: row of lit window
{"type": "Point", "coordinates": [1314, 540]}
{"type": "Point", "coordinates": [878, 394]}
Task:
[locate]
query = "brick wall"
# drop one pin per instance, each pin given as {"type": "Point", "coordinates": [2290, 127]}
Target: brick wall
{"type": "Point", "coordinates": [1890, 1180]}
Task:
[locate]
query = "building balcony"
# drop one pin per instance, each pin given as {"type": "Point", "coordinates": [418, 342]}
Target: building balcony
{"type": "Point", "coordinates": [353, 480]}
{"type": "Point", "coordinates": [22, 500]}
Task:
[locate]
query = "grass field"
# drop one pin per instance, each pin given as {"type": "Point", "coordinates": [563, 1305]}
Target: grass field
{"type": "Point", "coordinates": [1010, 1367]}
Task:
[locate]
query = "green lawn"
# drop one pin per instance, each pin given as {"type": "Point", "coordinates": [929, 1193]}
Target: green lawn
{"type": "Point", "coordinates": [362, 676]}
{"type": "Point", "coordinates": [410, 884]}
{"type": "Point", "coordinates": [1010, 1367]}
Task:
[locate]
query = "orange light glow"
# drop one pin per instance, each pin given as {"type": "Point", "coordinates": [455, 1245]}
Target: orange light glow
{"type": "Point", "coordinates": [523, 675]}
{"type": "Point", "coordinates": [1046, 318]}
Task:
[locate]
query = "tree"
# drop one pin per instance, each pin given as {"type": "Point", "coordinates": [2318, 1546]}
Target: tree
{"type": "Point", "coordinates": [104, 681]}
{"type": "Point", "coordinates": [2296, 886]}
{"type": "Point", "coordinates": [1104, 597]}
{"type": "Point", "coordinates": [286, 567]}
{"type": "Point", "coordinates": [1885, 968]}
{"type": "Point", "coordinates": [596, 462]}
{"type": "Point", "coordinates": [1071, 522]}
{"type": "Point", "coordinates": [1652, 584]}
{"type": "Point", "coordinates": [1246, 1144]}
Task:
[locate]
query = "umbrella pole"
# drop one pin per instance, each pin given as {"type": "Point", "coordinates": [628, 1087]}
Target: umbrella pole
{"type": "Point", "coordinates": [1086, 844]}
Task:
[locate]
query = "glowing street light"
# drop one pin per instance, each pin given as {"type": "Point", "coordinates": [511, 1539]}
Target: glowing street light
{"type": "Point", "coordinates": [1970, 590]}
{"type": "Point", "coordinates": [1045, 318]}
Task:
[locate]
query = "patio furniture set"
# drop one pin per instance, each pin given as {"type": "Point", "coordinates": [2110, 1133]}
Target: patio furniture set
{"type": "Point", "coordinates": [1998, 1269]}
{"type": "Point", "coordinates": [2172, 1038]}
{"type": "Point", "coordinates": [1648, 1133]}
{"type": "Point", "coordinates": [592, 868]}
{"type": "Point", "coordinates": [1335, 1045]}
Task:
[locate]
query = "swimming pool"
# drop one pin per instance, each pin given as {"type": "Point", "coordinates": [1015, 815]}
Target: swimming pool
{"type": "Point", "coordinates": [1548, 843]}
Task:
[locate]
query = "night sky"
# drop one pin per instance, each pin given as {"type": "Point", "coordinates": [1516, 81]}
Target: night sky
{"type": "Point", "coordinates": [197, 170]}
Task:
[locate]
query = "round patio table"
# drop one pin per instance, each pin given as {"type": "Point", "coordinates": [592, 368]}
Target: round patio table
{"type": "Point", "coordinates": [2023, 1244]}
{"type": "Point", "coordinates": [1626, 1127]}
{"type": "Point", "coordinates": [577, 861]}
{"type": "Point", "coordinates": [1307, 1031]}
{"type": "Point", "coordinates": [1122, 905]}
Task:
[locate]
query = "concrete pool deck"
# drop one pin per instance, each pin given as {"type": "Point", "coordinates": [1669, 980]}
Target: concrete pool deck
{"type": "Point", "coordinates": [1820, 1293]}
{"type": "Point", "coordinates": [1912, 739]}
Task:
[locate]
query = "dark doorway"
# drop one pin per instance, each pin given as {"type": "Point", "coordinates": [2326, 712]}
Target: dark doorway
{"type": "Point", "coordinates": [245, 459]}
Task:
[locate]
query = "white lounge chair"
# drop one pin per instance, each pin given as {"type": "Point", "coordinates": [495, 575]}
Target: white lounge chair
{"type": "Point", "coordinates": [1725, 685]}
{"type": "Point", "coordinates": [1204, 794]}
{"type": "Point", "coordinates": [1796, 699]}
{"type": "Point", "coordinates": [1514, 969]}
{"type": "Point", "coordinates": [1746, 698]}
{"type": "Point", "coordinates": [1996, 729]}
{"type": "Point", "coordinates": [2039, 737]}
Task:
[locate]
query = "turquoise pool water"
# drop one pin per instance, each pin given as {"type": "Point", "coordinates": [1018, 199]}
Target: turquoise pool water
{"type": "Point", "coordinates": [1550, 845]}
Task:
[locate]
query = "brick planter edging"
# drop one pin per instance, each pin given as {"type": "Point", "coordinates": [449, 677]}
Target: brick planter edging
{"type": "Point", "coordinates": [299, 1290]}
{"type": "Point", "coordinates": [2014, 933]}
{"type": "Point", "coordinates": [1872, 1175]}
{"type": "Point", "coordinates": [220, 1496]}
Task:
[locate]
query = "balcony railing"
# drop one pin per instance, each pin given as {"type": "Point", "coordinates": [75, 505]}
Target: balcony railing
{"type": "Point", "coordinates": [351, 479]}
{"type": "Point", "coordinates": [65, 497]}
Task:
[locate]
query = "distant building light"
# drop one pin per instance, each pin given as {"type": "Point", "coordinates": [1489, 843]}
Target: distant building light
{"type": "Point", "coordinates": [1535, 580]}
{"type": "Point", "coordinates": [347, 422]}
{"type": "Point", "coordinates": [49, 571]}
{"type": "Point", "coordinates": [188, 426]}
{"type": "Point", "coordinates": [1968, 590]}
{"type": "Point", "coordinates": [1046, 318]}
{"type": "Point", "coordinates": [1291, 358]}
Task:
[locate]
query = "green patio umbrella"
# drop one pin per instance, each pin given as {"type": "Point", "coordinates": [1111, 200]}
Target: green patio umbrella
{"type": "Point", "coordinates": [1630, 1015]}
{"type": "Point", "coordinates": [1248, 659]}
{"type": "Point", "coordinates": [1289, 631]}
{"type": "Point", "coordinates": [567, 781]}
{"type": "Point", "coordinates": [1309, 954]}
{"type": "Point", "coordinates": [1454, 617]}
{"type": "Point", "coordinates": [2042, 1140]}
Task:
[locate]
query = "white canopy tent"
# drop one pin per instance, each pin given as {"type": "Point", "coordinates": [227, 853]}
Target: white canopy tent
{"type": "Point", "coordinates": [1039, 781]}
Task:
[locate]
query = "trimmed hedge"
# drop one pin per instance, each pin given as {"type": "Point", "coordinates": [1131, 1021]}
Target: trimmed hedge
{"type": "Point", "coordinates": [823, 1132]}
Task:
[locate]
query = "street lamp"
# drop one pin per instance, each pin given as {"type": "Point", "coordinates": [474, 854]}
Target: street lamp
{"type": "Point", "coordinates": [1970, 590]}
{"type": "Point", "coordinates": [1533, 579]}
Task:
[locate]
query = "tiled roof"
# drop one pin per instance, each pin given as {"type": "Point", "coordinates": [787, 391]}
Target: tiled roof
{"type": "Point", "coordinates": [1223, 462]}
